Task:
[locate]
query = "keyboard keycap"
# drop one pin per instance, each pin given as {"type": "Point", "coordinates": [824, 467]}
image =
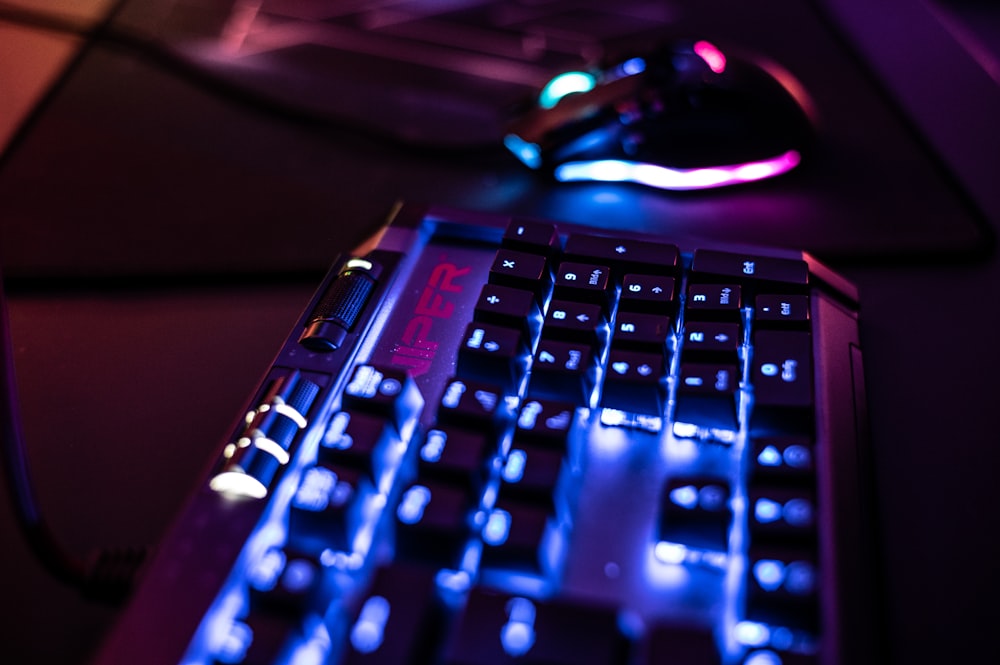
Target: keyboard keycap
{"type": "Point", "coordinates": [512, 308]}
{"type": "Point", "coordinates": [707, 394]}
{"type": "Point", "coordinates": [576, 322]}
{"type": "Point", "coordinates": [456, 456]}
{"type": "Point", "coordinates": [750, 267]}
{"type": "Point", "coordinates": [641, 332]}
{"type": "Point", "coordinates": [397, 620]}
{"type": "Point", "coordinates": [563, 370]}
{"type": "Point", "coordinates": [714, 302]}
{"type": "Point", "coordinates": [695, 513]}
{"type": "Point", "coordinates": [782, 588]}
{"type": "Point", "coordinates": [711, 340]}
{"type": "Point", "coordinates": [648, 293]}
{"type": "Point", "coordinates": [781, 311]}
{"type": "Point", "coordinates": [584, 282]}
{"type": "Point", "coordinates": [545, 422]}
{"type": "Point", "coordinates": [472, 403]}
{"type": "Point", "coordinates": [643, 256]}
{"type": "Point", "coordinates": [503, 629]}
{"type": "Point", "coordinates": [670, 643]}
{"type": "Point", "coordinates": [494, 354]}
{"type": "Point", "coordinates": [432, 523]}
{"type": "Point", "coordinates": [781, 515]}
{"type": "Point", "coordinates": [514, 534]}
{"type": "Point", "coordinates": [325, 509]}
{"type": "Point", "coordinates": [632, 382]}
{"type": "Point", "coordinates": [782, 380]}
{"type": "Point", "coordinates": [520, 270]}
{"type": "Point", "coordinates": [531, 236]}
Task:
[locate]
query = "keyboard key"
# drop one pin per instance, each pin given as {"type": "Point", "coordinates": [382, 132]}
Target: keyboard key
{"type": "Point", "coordinates": [713, 302]}
{"type": "Point", "coordinates": [563, 370]}
{"type": "Point", "coordinates": [472, 403]}
{"type": "Point", "coordinates": [432, 523]}
{"type": "Point", "coordinates": [711, 340]}
{"type": "Point", "coordinates": [456, 456]}
{"type": "Point", "coordinates": [644, 256]}
{"type": "Point", "coordinates": [695, 513]}
{"type": "Point", "coordinates": [750, 267]}
{"type": "Point", "coordinates": [359, 440]}
{"type": "Point", "coordinates": [670, 643]}
{"type": "Point", "coordinates": [632, 382]}
{"type": "Point", "coordinates": [325, 511]}
{"type": "Point", "coordinates": [397, 619]}
{"type": "Point", "coordinates": [520, 270]}
{"type": "Point", "coordinates": [512, 308]}
{"type": "Point", "coordinates": [647, 293]}
{"type": "Point", "coordinates": [386, 391]}
{"type": "Point", "coordinates": [641, 332]}
{"type": "Point", "coordinates": [500, 629]}
{"type": "Point", "coordinates": [781, 311]}
{"type": "Point", "coordinates": [782, 460]}
{"type": "Point", "coordinates": [545, 422]}
{"type": "Point", "coordinates": [783, 588]}
{"type": "Point", "coordinates": [531, 236]}
{"type": "Point", "coordinates": [530, 474]}
{"type": "Point", "coordinates": [513, 535]}
{"type": "Point", "coordinates": [778, 514]}
{"type": "Point", "coordinates": [494, 354]}
{"type": "Point", "coordinates": [584, 282]}
{"type": "Point", "coordinates": [707, 395]}
{"type": "Point", "coordinates": [265, 638]}
{"type": "Point", "coordinates": [782, 380]}
{"type": "Point", "coordinates": [576, 322]}
{"type": "Point", "coordinates": [287, 582]}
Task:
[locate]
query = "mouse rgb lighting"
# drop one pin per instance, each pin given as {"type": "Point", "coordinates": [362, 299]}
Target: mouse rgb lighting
{"type": "Point", "coordinates": [685, 117]}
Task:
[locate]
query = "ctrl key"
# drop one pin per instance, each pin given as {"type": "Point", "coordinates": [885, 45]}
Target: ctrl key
{"type": "Point", "coordinates": [497, 628]}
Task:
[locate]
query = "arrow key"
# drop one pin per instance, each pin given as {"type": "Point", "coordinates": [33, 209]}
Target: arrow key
{"type": "Point", "coordinates": [632, 382]}
{"type": "Point", "coordinates": [575, 322]}
{"type": "Point", "coordinates": [711, 340]}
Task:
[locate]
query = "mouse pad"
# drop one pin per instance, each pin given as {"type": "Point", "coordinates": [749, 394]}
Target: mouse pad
{"type": "Point", "coordinates": [138, 167]}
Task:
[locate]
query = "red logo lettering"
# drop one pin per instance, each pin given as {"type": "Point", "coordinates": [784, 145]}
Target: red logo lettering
{"type": "Point", "coordinates": [416, 349]}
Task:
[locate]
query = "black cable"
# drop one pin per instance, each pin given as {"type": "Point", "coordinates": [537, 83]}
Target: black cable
{"type": "Point", "coordinates": [109, 573]}
{"type": "Point", "coordinates": [196, 73]}
{"type": "Point", "coordinates": [40, 540]}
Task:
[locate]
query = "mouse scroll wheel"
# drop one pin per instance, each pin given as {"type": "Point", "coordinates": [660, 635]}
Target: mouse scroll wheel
{"type": "Point", "coordinates": [564, 84]}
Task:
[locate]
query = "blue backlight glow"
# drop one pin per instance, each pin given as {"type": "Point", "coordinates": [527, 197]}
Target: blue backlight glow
{"type": "Point", "coordinates": [529, 153]}
{"type": "Point", "coordinates": [769, 457]}
{"type": "Point", "coordinates": [411, 506]}
{"type": "Point", "coordinates": [769, 574]}
{"type": "Point", "coordinates": [752, 634]}
{"type": "Point", "coordinates": [497, 528]}
{"type": "Point", "coordinates": [369, 630]}
{"type": "Point", "coordinates": [763, 658]}
{"type": "Point", "coordinates": [632, 67]}
{"type": "Point", "coordinates": [432, 449]}
{"type": "Point", "coordinates": [766, 511]}
{"type": "Point", "coordinates": [564, 84]}
{"type": "Point", "coordinates": [518, 635]}
{"type": "Point", "coordinates": [685, 497]}
{"type": "Point", "coordinates": [513, 470]}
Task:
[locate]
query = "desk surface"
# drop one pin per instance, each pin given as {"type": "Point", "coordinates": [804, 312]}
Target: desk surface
{"type": "Point", "coordinates": [127, 388]}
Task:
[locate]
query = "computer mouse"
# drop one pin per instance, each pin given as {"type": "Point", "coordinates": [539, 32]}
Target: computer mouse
{"type": "Point", "coordinates": [685, 116]}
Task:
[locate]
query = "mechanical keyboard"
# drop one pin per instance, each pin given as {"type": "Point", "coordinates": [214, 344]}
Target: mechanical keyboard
{"type": "Point", "coordinates": [492, 440]}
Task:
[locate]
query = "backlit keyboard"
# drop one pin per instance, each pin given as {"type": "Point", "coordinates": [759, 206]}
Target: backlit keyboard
{"type": "Point", "coordinates": [493, 440]}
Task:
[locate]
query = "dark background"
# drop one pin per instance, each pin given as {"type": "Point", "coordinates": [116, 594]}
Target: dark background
{"type": "Point", "coordinates": [159, 240]}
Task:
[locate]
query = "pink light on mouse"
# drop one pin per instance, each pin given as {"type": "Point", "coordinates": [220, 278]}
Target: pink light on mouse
{"type": "Point", "coordinates": [712, 56]}
{"type": "Point", "coordinates": [661, 177]}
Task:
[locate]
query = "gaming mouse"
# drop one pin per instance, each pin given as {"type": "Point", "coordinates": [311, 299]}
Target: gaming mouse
{"type": "Point", "coordinates": [683, 117]}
